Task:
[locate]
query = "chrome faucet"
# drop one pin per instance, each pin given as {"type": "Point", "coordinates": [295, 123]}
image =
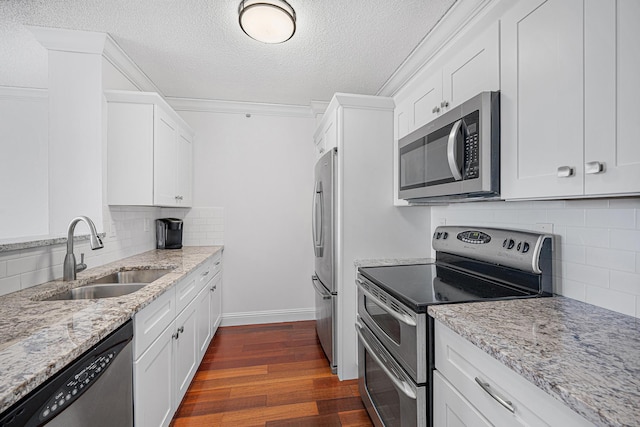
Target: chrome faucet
{"type": "Point", "coordinates": [70, 268]}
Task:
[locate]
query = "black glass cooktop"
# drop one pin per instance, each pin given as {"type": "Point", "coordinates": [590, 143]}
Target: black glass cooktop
{"type": "Point", "coordinates": [419, 286]}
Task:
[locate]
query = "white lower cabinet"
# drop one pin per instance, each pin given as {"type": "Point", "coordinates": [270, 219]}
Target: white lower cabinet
{"type": "Point", "coordinates": [187, 354]}
{"type": "Point", "coordinates": [153, 383]}
{"type": "Point", "coordinates": [171, 336]}
{"type": "Point", "coordinates": [473, 389]}
{"type": "Point", "coordinates": [451, 409]}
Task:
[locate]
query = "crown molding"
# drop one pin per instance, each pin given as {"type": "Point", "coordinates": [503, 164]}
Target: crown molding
{"type": "Point", "coordinates": [237, 107]}
{"type": "Point", "coordinates": [123, 63]}
{"type": "Point", "coordinates": [64, 40]}
{"type": "Point", "coordinates": [452, 23]}
{"type": "Point", "coordinates": [318, 107]}
{"type": "Point", "coordinates": [23, 93]}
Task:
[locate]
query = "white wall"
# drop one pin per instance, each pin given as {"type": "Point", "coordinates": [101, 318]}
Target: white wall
{"type": "Point", "coordinates": [597, 253]}
{"type": "Point", "coordinates": [24, 162]}
{"type": "Point", "coordinates": [260, 169]}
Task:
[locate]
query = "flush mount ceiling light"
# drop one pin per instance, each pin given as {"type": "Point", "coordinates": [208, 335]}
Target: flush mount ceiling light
{"type": "Point", "coordinates": [268, 21]}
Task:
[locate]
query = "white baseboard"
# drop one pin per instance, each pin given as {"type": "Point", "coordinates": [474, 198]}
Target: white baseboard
{"type": "Point", "coordinates": [271, 316]}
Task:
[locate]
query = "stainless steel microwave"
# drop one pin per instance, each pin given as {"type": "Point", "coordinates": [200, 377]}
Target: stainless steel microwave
{"type": "Point", "coordinates": [456, 157]}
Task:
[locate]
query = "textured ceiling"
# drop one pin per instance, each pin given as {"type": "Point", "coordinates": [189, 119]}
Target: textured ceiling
{"type": "Point", "coordinates": [195, 48]}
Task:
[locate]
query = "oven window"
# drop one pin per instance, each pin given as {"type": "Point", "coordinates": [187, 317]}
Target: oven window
{"type": "Point", "coordinates": [384, 320]}
{"type": "Point", "coordinates": [384, 395]}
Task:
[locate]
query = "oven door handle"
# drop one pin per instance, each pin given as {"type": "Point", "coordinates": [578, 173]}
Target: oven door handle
{"type": "Point", "coordinates": [452, 151]}
{"type": "Point", "coordinates": [407, 320]}
{"type": "Point", "coordinates": [400, 383]}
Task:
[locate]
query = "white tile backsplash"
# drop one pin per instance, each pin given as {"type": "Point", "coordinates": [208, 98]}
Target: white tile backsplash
{"type": "Point", "coordinates": [125, 236]}
{"type": "Point", "coordinates": [203, 226]}
{"type": "Point", "coordinates": [597, 254]}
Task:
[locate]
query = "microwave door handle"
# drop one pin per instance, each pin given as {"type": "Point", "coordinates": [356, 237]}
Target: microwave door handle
{"type": "Point", "coordinates": [452, 151]}
{"type": "Point", "coordinates": [400, 384]}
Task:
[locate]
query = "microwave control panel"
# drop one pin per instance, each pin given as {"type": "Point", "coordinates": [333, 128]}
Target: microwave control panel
{"type": "Point", "coordinates": [471, 145]}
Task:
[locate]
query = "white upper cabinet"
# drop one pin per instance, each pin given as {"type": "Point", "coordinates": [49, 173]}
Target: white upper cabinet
{"type": "Point", "coordinates": [465, 68]}
{"type": "Point", "coordinates": [612, 67]}
{"type": "Point", "coordinates": [568, 100]}
{"type": "Point", "coordinates": [326, 136]}
{"type": "Point", "coordinates": [149, 152]}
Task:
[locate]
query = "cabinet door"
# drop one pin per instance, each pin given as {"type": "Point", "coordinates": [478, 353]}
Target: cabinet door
{"type": "Point", "coordinates": [164, 159]}
{"type": "Point", "coordinates": [203, 313]}
{"type": "Point", "coordinates": [612, 67]}
{"type": "Point", "coordinates": [153, 383]}
{"type": "Point", "coordinates": [542, 99]}
{"type": "Point", "coordinates": [184, 169]}
{"type": "Point", "coordinates": [475, 68]}
{"type": "Point", "coordinates": [186, 350]}
{"type": "Point", "coordinates": [426, 100]}
{"type": "Point", "coordinates": [451, 409]}
{"type": "Point", "coordinates": [215, 293]}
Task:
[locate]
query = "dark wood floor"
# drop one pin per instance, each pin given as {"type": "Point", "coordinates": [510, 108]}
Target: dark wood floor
{"type": "Point", "coordinates": [272, 375]}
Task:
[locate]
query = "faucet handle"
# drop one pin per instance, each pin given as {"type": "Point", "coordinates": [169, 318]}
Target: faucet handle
{"type": "Point", "coordinates": [81, 266]}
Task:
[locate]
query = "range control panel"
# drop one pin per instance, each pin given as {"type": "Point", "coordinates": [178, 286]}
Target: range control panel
{"type": "Point", "coordinates": [514, 248]}
{"type": "Point", "coordinates": [76, 384]}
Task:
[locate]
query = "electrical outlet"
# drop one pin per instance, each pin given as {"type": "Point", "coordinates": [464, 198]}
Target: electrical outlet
{"type": "Point", "coordinates": [112, 229]}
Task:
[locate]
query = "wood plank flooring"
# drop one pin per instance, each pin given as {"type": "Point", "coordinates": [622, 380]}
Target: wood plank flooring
{"type": "Point", "coordinates": [272, 375]}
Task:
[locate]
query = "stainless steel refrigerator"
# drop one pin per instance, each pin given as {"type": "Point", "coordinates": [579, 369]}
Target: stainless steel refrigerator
{"type": "Point", "coordinates": [324, 280]}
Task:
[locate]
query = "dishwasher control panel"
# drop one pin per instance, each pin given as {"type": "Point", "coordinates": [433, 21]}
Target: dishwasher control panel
{"type": "Point", "coordinates": [76, 383]}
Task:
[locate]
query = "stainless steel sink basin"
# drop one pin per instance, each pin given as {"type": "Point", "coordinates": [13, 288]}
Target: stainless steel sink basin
{"type": "Point", "coordinates": [132, 276]}
{"type": "Point", "coordinates": [113, 285]}
{"type": "Point", "coordinates": [98, 291]}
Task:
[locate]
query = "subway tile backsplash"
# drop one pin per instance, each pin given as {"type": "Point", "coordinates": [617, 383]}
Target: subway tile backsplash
{"type": "Point", "coordinates": [597, 253]}
{"type": "Point", "coordinates": [128, 231]}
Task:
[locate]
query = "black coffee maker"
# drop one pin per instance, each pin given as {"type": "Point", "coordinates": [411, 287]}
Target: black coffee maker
{"type": "Point", "coordinates": [168, 233]}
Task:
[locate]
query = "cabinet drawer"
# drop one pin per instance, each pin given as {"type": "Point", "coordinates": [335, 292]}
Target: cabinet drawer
{"type": "Point", "coordinates": [451, 408]}
{"type": "Point", "coordinates": [460, 362]}
{"type": "Point", "coordinates": [149, 322]}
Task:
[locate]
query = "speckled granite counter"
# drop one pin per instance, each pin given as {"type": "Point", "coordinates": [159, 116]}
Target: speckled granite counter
{"type": "Point", "coordinates": [38, 338]}
{"type": "Point", "coordinates": [582, 355]}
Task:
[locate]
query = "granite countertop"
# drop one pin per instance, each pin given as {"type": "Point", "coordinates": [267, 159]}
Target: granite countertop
{"type": "Point", "coordinates": [38, 338]}
{"type": "Point", "coordinates": [583, 355]}
{"type": "Point", "coordinates": [391, 261]}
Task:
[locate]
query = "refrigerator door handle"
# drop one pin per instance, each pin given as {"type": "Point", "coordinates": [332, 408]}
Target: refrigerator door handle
{"type": "Point", "coordinates": [318, 229]}
{"type": "Point", "coordinates": [319, 288]}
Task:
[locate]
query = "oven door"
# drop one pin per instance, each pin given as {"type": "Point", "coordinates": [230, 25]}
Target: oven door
{"type": "Point", "coordinates": [402, 332]}
{"type": "Point", "coordinates": [391, 397]}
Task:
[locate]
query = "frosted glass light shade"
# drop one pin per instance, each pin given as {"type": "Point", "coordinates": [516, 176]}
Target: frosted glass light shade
{"type": "Point", "coordinates": [268, 21]}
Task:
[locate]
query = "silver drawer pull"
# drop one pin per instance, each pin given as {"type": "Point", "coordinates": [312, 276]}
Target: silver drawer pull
{"type": "Point", "coordinates": [565, 171]}
{"type": "Point", "coordinates": [593, 167]}
{"type": "Point", "coordinates": [218, 263]}
{"type": "Point", "coordinates": [501, 400]}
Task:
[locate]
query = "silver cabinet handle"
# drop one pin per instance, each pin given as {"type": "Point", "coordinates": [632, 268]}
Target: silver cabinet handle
{"type": "Point", "coordinates": [398, 316]}
{"type": "Point", "coordinates": [400, 384]}
{"type": "Point", "coordinates": [213, 288]}
{"type": "Point", "coordinates": [565, 171]}
{"type": "Point", "coordinates": [452, 151]}
{"type": "Point", "coordinates": [435, 110]}
{"type": "Point", "coordinates": [218, 263]}
{"type": "Point", "coordinates": [444, 104]}
{"type": "Point", "coordinates": [181, 329]}
{"type": "Point", "coordinates": [175, 336]}
{"type": "Point", "coordinates": [491, 392]}
{"type": "Point", "coordinates": [205, 273]}
{"type": "Point", "coordinates": [593, 167]}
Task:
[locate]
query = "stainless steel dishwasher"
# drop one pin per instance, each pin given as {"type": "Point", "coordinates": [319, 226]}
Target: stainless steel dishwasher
{"type": "Point", "coordinates": [94, 390]}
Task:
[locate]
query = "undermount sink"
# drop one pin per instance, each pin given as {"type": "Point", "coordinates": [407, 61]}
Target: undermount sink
{"type": "Point", "coordinates": [132, 276]}
{"type": "Point", "coordinates": [113, 285]}
{"type": "Point", "coordinates": [98, 291]}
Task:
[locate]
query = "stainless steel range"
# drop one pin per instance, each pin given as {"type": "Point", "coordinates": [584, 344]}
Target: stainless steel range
{"type": "Point", "coordinates": [395, 334]}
